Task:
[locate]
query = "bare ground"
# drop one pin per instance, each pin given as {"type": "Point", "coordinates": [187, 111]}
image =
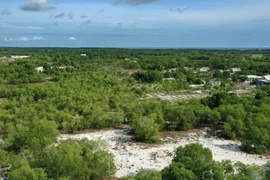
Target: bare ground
{"type": "Point", "coordinates": [132, 157]}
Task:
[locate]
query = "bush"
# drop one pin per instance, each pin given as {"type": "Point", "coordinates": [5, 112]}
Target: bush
{"type": "Point", "coordinates": [145, 129]}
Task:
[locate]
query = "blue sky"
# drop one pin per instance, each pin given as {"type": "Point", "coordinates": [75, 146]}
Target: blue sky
{"type": "Point", "coordinates": [135, 23]}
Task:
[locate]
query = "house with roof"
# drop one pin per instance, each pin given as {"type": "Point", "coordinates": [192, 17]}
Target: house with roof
{"type": "Point", "coordinates": [264, 80]}
{"type": "Point", "coordinates": [253, 78]}
{"type": "Point", "coordinates": [261, 82]}
{"type": "Point", "coordinates": [171, 70]}
{"type": "Point", "coordinates": [168, 79]}
{"type": "Point", "coordinates": [215, 83]}
{"type": "Point", "coordinates": [39, 69]}
{"type": "Point", "coordinates": [64, 67]}
{"type": "Point", "coordinates": [266, 77]}
{"type": "Point", "coordinates": [235, 70]}
{"type": "Point", "coordinates": [203, 70]}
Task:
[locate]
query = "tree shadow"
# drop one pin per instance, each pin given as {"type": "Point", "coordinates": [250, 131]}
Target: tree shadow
{"type": "Point", "coordinates": [122, 136]}
{"type": "Point", "coordinates": [144, 170]}
{"type": "Point", "coordinates": [122, 132]}
{"type": "Point", "coordinates": [229, 147]}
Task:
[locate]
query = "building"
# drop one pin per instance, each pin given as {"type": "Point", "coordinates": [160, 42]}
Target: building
{"type": "Point", "coordinates": [64, 67]}
{"type": "Point", "coordinates": [266, 77]}
{"type": "Point", "coordinates": [265, 80]}
{"type": "Point", "coordinates": [168, 79]}
{"type": "Point", "coordinates": [203, 70]}
{"type": "Point", "coordinates": [39, 69]}
{"type": "Point", "coordinates": [84, 55]}
{"type": "Point", "coordinates": [253, 78]}
{"type": "Point", "coordinates": [172, 69]}
{"type": "Point", "coordinates": [261, 82]}
{"type": "Point", "coordinates": [236, 70]}
{"type": "Point", "coordinates": [215, 83]}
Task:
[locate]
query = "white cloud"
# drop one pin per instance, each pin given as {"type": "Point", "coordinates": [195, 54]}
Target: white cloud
{"type": "Point", "coordinates": [193, 15]}
{"type": "Point", "coordinates": [6, 25]}
{"type": "Point", "coordinates": [8, 39]}
{"type": "Point", "coordinates": [37, 39]}
{"type": "Point", "coordinates": [229, 15]}
{"type": "Point", "coordinates": [24, 39]}
{"type": "Point", "coordinates": [134, 2]}
{"type": "Point", "coordinates": [36, 5]}
{"type": "Point", "coordinates": [72, 39]}
{"type": "Point", "coordinates": [6, 12]}
{"type": "Point", "coordinates": [33, 28]}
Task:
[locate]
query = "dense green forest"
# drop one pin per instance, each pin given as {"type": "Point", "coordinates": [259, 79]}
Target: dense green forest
{"type": "Point", "coordinates": [79, 89]}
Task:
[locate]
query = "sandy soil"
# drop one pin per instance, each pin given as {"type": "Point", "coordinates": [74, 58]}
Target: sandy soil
{"type": "Point", "coordinates": [182, 96]}
{"type": "Point", "coordinates": [132, 157]}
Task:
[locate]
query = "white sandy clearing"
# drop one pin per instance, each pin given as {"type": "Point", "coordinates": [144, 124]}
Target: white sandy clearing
{"type": "Point", "coordinates": [182, 96]}
{"type": "Point", "coordinates": [130, 157]}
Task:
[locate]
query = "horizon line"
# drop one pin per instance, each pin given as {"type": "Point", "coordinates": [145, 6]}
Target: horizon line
{"type": "Point", "coordinates": [164, 48]}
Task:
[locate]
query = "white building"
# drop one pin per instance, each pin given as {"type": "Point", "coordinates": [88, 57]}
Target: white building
{"type": "Point", "coordinates": [235, 70]}
{"type": "Point", "coordinates": [203, 69]}
{"type": "Point", "coordinates": [264, 80]}
{"type": "Point", "coordinates": [266, 77]}
{"type": "Point", "coordinates": [168, 79]}
{"type": "Point", "coordinates": [252, 78]}
{"type": "Point", "coordinates": [215, 83]}
{"type": "Point", "coordinates": [64, 67]}
{"type": "Point", "coordinates": [39, 69]}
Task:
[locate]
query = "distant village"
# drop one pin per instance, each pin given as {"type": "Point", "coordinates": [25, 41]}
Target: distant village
{"type": "Point", "coordinates": [254, 79]}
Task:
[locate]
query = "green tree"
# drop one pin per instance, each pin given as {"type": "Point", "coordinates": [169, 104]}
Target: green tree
{"type": "Point", "coordinates": [65, 160]}
{"type": "Point", "coordinates": [181, 116]}
{"type": "Point", "coordinates": [27, 173]}
{"type": "Point", "coordinates": [248, 172]}
{"type": "Point", "coordinates": [198, 160]}
{"type": "Point", "coordinates": [82, 159]}
{"type": "Point", "coordinates": [177, 171]}
{"type": "Point", "coordinates": [97, 159]}
{"type": "Point", "coordinates": [35, 137]}
{"type": "Point", "coordinates": [268, 170]}
{"type": "Point", "coordinates": [146, 175]}
{"type": "Point", "coordinates": [234, 127]}
{"type": "Point", "coordinates": [145, 129]}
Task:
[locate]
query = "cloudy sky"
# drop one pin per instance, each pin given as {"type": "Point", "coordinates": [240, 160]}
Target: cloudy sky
{"type": "Point", "coordinates": [135, 23]}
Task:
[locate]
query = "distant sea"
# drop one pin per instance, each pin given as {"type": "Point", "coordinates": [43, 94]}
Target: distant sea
{"type": "Point", "coordinates": [176, 48]}
{"type": "Point", "coordinates": [206, 48]}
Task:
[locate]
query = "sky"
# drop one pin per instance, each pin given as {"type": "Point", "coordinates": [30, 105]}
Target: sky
{"type": "Point", "coordinates": [135, 23]}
